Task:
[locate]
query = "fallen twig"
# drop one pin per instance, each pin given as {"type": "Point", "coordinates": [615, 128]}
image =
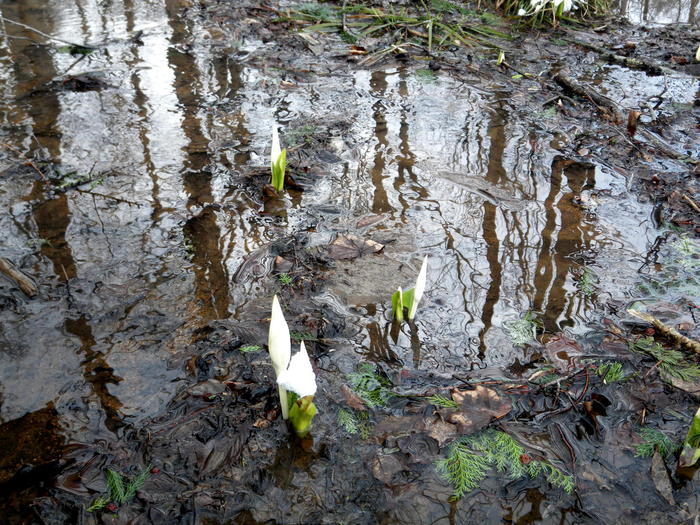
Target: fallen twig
{"type": "Point", "coordinates": [633, 63]}
{"type": "Point", "coordinates": [577, 88]}
{"type": "Point", "coordinates": [666, 330]}
{"type": "Point", "coordinates": [26, 160]}
{"type": "Point", "coordinates": [25, 283]}
{"type": "Point", "coordinates": [691, 202]}
{"type": "Point", "coordinates": [601, 101]}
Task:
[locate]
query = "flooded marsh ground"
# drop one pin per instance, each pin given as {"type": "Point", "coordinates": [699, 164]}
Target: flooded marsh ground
{"type": "Point", "coordinates": [134, 147]}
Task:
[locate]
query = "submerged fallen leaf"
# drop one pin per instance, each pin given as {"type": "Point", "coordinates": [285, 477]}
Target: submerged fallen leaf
{"type": "Point", "coordinates": [478, 408]}
{"type": "Point", "coordinates": [368, 220]}
{"type": "Point", "coordinates": [351, 247]}
{"type": "Point", "coordinates": [386, 467]}
{"type": "Point", "coordinates": [351, 398]}
{"type": "Point", "coordinates": [563, 352]}
{"type": "Point", "coordinates": [659, 476]}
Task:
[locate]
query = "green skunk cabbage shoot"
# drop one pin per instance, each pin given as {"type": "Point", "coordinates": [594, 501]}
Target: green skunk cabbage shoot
{"type": "Point", "coordinates": [278, 160]}
{"type": "Point", "coordinates": [300, 379]}
{"type": "Point", "coordinates": [691, 446]}
{"type": "Point", "coordinates": [397, 304]}
{"type": "Point", "coordinates": [411, 297]}
{"type": "Point", "coordinates": [280, 348]}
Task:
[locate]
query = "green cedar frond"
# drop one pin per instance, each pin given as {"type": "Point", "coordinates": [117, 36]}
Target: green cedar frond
{"type": "Point", "coordinates": [115, 483]}
{"type": "Point", "coordinates": [372, 388]}
{"type": "Point", "coordinates": [347, 420]}
{"type": "Point", "coordinates": [522, 331]}
{"type": "Point", "coordinates": [137, 483]}
{"type": "Point", "coordinates": [610, 371]}
{"type": "Point", "coordinates": [98, 504]}
{"type": "Point", "coordinates": [250, 348]}
{"type": "Point", "coordinates": [470, 458]}
{"type": "Point", "coordinates": [442, 401]}
{"type": "Point", "coordinates": [653, 439]}
{"type": "Point", "coordinates": [587, 281]}
{"type": "Point", "coordinates": [671, 362]}
{"type": "Point", "coordinates": [462, 468]}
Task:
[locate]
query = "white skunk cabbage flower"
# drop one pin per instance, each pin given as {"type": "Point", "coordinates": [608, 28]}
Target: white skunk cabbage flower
{"type": "Point", "coordinates": [522, 12]}
{"type": "Point", "coordinates": [299, 377]}
{"type": "Point", "coordinates": [568, 5]}
{"type": "Point", "coordinates": [419, 288]}
{"type": "Point", "coordinates": [697, 55]}
{"type": "Point", "coordinates": [280, 347]}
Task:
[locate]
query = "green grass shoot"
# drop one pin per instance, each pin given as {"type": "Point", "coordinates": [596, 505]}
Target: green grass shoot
{"type": "Point", "coordinates": [278, 168]}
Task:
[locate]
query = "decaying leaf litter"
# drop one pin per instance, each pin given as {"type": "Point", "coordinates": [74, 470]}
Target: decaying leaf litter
{"type": "Point", "coordinates": [160, 290]}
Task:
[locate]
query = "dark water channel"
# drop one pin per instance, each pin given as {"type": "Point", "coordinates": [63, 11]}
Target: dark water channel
{"type": "Point", "coordinates": [153, 232]}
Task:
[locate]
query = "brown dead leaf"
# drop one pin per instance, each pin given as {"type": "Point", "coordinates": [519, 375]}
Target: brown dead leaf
{"type": "Point", "coordinates": [369, 220]}
{"type": "Point", "coordinates": [386, 467]}
{"type": "Point", "coordinates": [563, 352]}
{"type": "Point", "coordinates": [691, 387]}
{"type": "Point", "coordinates": [351, 398]}
{"type": "Point", "coordinates": [659, 476]}
{"type": "Point", "coordinates": [477, 409]}
{"type": "Point", "coordinates": [680, 60]}
{"type": "Point", "coordinates": [282, 264]}
{"type": "Point", "coordinates": [358, 50]}
{"type": "Point", "coordinates": [352, 247]}
{"type": "Point", "coordinates": [632, 120]}
{"type": "Point", "coordinates": [441, 431]}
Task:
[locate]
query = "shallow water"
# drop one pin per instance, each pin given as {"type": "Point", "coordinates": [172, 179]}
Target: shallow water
{"type": "Point", "coordinates": [161, 231]}
{"type": "Point", "coordinates": [659, 11]}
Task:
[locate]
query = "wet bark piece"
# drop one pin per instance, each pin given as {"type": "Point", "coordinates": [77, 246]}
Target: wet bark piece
{"type": "Point", "coordinates": [352, 247]}
{"type": "Point", "coordinates": [24, 282]}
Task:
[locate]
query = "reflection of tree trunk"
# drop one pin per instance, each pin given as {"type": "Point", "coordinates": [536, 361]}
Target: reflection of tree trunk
{"type": "Point", "coordinates": [496, 174]}
{"type": "Point", "coordinates": [692, 11]}
{"type": "Point", "coordinates": [140, 101]}
{"type": "Point", "coordinates": [562, 237]}
{"type": "Point", "coordinates": [380, 202]}
{"type": "Point", "coordinates": [379, 348]}
{"type": "Point", "coordinates": [645, 11]}
{"type": "Point", "coordinates": [52, 217]}
{"type": "Point", "coordinates": [623, 7]}
{"type": "Point", "coordinates": [212, 289]}
{"type": "Point", "coordinates": [97, 372]}
{"type": "Point", "coordinates": [203, 232]}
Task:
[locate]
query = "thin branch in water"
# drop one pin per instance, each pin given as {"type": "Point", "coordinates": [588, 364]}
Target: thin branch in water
{"type": "Point", "coordinates": [35, 30]}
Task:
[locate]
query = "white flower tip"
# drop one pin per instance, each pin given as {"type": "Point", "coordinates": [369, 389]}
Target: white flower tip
{"type": "Point", "coordinates": [522, 12]}
{"type": "Point", "coordinates": [275, 150]}
{"type": "Point", "coordinates": [278, 338]}
{"type": "Point", "coordinates": [299, 377]}
{"type": "Point", "coordinates": [419, 288]}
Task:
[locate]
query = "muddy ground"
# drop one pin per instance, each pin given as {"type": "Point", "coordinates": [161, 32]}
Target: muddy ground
{"type": "Point", "coordinates": [142, 251]}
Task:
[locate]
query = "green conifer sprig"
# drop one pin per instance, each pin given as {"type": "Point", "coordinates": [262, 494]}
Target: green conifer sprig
{"type": "Point", "coordinates": [470, 458]}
